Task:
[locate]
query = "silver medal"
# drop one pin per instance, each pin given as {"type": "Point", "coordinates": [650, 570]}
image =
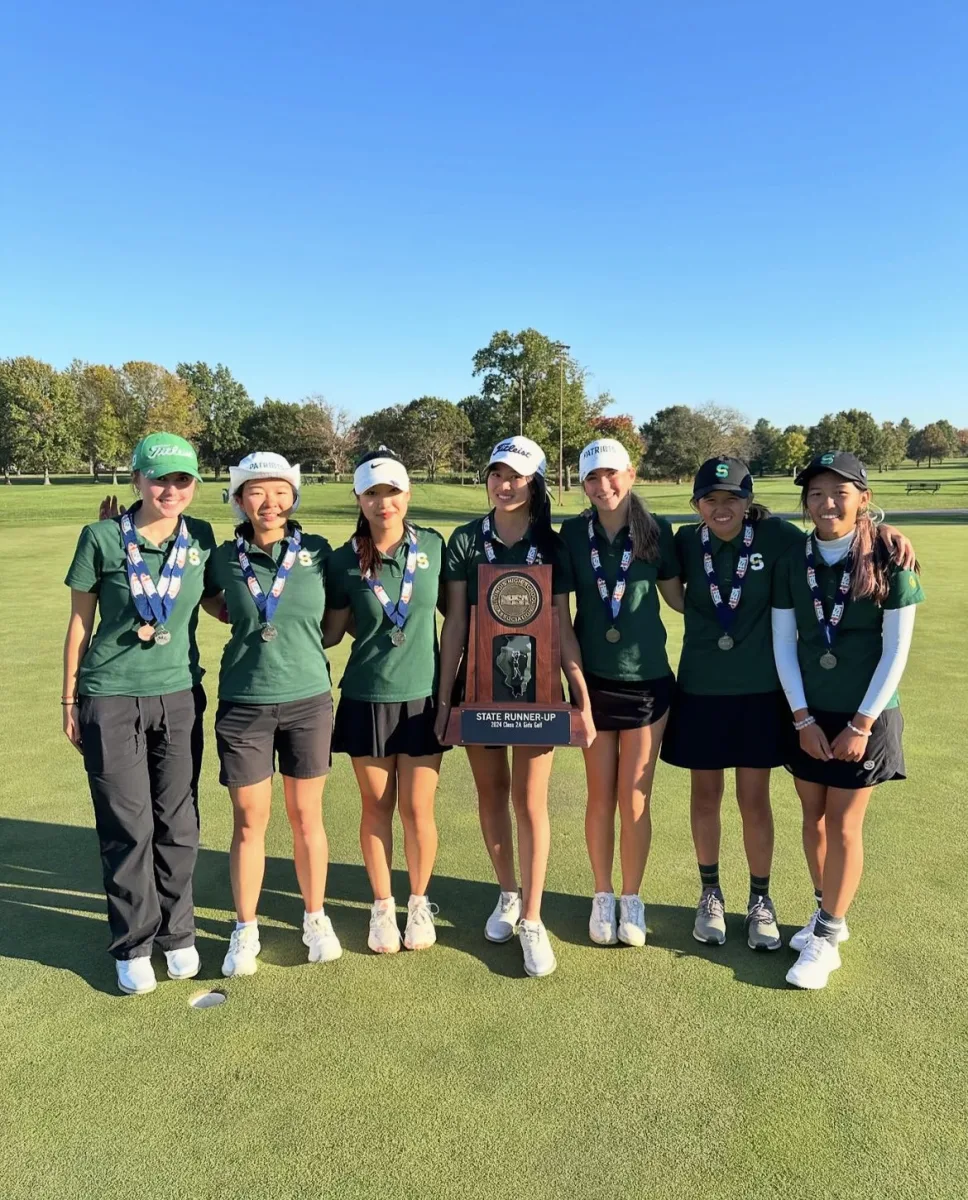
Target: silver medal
{"type": "Point", "coordinates": [398, 637]}
{"type": "Point", "coordinates": [268, 632]}
{"type": "Point", "coordinates": [725, 642]}
{"type": "Point", "coordinates": [162, 635]}
{"type": "Point", "coordinates": [828, 661]}
{"type": "Point", "coordinates": [612, 635]}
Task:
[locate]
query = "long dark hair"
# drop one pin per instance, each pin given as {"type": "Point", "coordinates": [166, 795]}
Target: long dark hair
{"type": "Point", "coordinates": [539, 515]}
{"type": "Point", "coordinates": [370, 558]}
{"type": "Point", "coordinates": [871, 560]}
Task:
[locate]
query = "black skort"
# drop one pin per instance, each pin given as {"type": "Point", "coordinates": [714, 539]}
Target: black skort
{"type": "Point", "coordinates": [250, 737]}
{"type": "Point", "coordinates": [619, 704]}
{"type": "Point", "coordinates": [372, 729]}
{"type": "Point", "coordinates": [882, 762]}
{"type": "Point", "coordinates": [713, 733]}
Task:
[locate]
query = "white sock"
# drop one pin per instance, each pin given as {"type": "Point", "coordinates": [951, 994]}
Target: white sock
{"type": "Point", "coordinates": [246, 924]}
{"type": "Point", "coordinates": [318, 913]}
{"type": "Point", "coordinates": [389, 902]}
{"type": "Point", "coordinates": [414, 897]}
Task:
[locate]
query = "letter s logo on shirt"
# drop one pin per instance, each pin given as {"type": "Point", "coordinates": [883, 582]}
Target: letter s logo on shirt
{"type": "Point", "coordinates": [756, 562]}
{"type": "Point", "coordinates": [423, 562]}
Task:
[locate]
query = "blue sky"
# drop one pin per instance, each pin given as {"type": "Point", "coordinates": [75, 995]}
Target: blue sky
{"type": "Point", "coordinates": [758, 204]}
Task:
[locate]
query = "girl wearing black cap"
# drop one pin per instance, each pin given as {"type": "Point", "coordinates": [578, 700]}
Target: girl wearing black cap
{"type": "Point", "coordinates": [728, 710]}
{"type": "Point", "coordinates": [516, 530]}
{"type": "Point", "coordinates": [621, 557]}
{"type": "Point", "coordinates": [386, 579]}
{"type": "Point", "coordinates": [843, 618]}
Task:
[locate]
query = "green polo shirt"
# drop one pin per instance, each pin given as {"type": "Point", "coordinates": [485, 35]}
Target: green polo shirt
{"type": "Point", "coordinates": [857, 641]}
{"type": "Point", "coordinates": [293, 665]}
{"type": "Point", "coordinates": [117, 662]}
{"type": "Point", "coordinates": [378, 671]}
{"type": "Point", "coordinates": [465, 553]}
{"type": "Point", "coordinates": [641, 652]}
{"type": "Point", "coordinates": [747, 668]}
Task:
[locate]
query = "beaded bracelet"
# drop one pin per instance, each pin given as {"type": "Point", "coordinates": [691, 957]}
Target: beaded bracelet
{"type": "Point", "coordinates": [859, 732]}
{"type": "Point", "coordinates": [808, 720]}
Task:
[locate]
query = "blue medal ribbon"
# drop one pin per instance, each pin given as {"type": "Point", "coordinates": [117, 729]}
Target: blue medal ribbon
{"type": "Point", "coordinates": [397, 613]}
{"type": "Point", "coordinates": [613, 603]}
{"type": "Point", "coordinates": [726, 609]}
{"type": "Point", "coordinates": [154, 604]}
{"type": "Point", "coordinates": [533, 555]}
{"type": "Point", "coordinates": [829, 628]}
{"type": "Point", "coordinates": [267, 604]}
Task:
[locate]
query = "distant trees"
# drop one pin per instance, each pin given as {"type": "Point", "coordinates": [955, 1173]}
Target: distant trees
{"type": "Point", "coordinates": [223, 406]}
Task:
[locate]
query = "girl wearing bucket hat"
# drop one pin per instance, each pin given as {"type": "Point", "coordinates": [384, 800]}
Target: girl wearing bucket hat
{"type": "Point", "coordinates": [133, 703]}
{"type": "Point", "coordinates": [843, 618]}
{"type": "Point", "coordinates": [386, 581]}
{"type": "Point", "coordinates": [516, 530]}
{"type": "Point", "coordinates": [621, 557]}
{"type": "Point", "coordinates": [274, 697]}
{"type": "Point", "coordinates": [728, 711]}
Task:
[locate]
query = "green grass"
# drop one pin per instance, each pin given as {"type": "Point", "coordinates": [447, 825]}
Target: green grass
{"type": "Point", "coordinates": [677, 1071]}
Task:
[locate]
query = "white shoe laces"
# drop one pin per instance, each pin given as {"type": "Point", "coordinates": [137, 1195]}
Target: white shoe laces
{"type": "Point", "coordinates": [634, 910]}
{"type": "Point", "coordinates": [604, 909]}
{"type": "Point", "coordinates": [422, 913]}
{"type": "Point", "coordinates": [710, 905]}
{"type": "Point", "coordinates": [507, 902]}
{"type": "Point", "coordinates": [242, 939]}
{"type": "Point", "coordinates": [815, 948]}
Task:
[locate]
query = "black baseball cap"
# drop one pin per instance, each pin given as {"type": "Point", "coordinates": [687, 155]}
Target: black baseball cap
{"type": "Point", "coordinates": [848, 466]}
{"type": "Point", "coordinates": [722, 474]}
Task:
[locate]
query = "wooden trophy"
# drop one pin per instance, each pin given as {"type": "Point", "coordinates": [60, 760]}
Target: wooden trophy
{"type": "Point", "coordinates": [513, 695]}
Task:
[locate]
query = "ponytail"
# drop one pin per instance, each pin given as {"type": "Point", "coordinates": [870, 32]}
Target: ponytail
{"type": "Point", "coordinates": [758, 511]}
{"type": "Point", "coordinates": [644, 530]}
{"type": "Point", "coordinates": [370, 558]}
{"type": "Point", "coordinates": [539, 514]}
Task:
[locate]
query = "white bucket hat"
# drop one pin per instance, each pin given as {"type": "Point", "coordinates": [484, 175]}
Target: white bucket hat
{"type": "Point", "coordinates": [520, 454]}
{"type": "Point", "coordinates": [263, 465]}
{"type": "Point", "coordinates": [603, 454]}
{"type": "Point", "coordinates": [385, 469]}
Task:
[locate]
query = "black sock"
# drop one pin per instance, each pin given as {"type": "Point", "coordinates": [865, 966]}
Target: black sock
{"type": "Point", "coordinates": [709, 875]}
{"type": "Point", "coordinates": [759, 885]}
{"type": "Point", "coordinates": [827, 926]}
{"type": "Point", "coordinates": [818, 896]}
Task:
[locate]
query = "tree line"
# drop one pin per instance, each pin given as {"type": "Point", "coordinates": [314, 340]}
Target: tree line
{"type": "Point", "coordinates": [89, 417]}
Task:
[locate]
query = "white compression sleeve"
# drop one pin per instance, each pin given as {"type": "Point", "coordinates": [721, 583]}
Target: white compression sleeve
{"type": "Point", "coordinates": [896, 633]}
{"type": "Point", "coordinates": [785, 657]}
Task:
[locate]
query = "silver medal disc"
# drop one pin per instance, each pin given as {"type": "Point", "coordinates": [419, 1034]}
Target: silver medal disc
{"type": "Point", "coordinates": [725, 642]}
{"type": "Point", "coordinates": [828, 661]}
{"type": "Point", "coordinates": [268, 632]}
{"type": "Point", "coordinates": [398, 637]}
{"type": "Point", "coordinates": [162, 635]}
{"type": "Point", "coordinates": [612, 635]}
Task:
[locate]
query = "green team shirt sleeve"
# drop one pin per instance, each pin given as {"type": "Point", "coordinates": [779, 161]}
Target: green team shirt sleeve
{"type": "Point", "coordinates": [562, 576]}
{"type": "Point", "coordinates": [337, 595]}
{"type": "Point", "coordinates": [669, 567]}
{"type": "Point", "coordinates": [781, 594]}
{"type": "Point", "coordinates": [460, 552]}
{"type": "Point", "coordinates": [84, 573]}
{"type": "Point", "coordinates": [905, 589]}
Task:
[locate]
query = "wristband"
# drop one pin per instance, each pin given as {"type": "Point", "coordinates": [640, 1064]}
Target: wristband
{"type": "Point", "coordinates": [68, 703]}
{"type": "Point", "coordinates": [859, 732]}
{"type": "Point", "coordinates": [807, 721]}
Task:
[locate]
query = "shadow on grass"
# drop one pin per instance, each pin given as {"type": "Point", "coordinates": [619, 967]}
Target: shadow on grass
{"type": "Point", "coordinates": [52, 911]}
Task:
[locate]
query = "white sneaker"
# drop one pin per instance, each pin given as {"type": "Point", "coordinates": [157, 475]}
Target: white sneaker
{"type": "Point", "coordinates": [631, 921]}
{"type": "Point", "coordinates": [420, 932]}
{"type": "Point", "coordinates": [539, 958]}
{"type": "Point", "coordinates": [507, 912]}
{"type": "Point", "coordinates": [318, 935]}
{"type": "Point", "coordinates": [244, 947]}
{"type": "Point", "coordinates": [812, 969]}
{"type": "Point", "coordinates": [136, 976]}
{"type": "Point", "coordinates": [801, 937]}
{"type": "Point", "coordinates": [602, 927]}
{"type": "Point", "coordinates": [384, 935]}
{"type": "Point", "coordinates": [183, 963]}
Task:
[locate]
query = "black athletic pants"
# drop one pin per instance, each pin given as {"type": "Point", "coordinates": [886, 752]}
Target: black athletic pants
{"type": "Point", "coordinates": [142, 755]}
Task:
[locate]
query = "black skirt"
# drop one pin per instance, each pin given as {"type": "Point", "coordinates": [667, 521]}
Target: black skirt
{"type": "Point", "coordinates": [370, 729]}
{"type": "Point", "coordinates": [882, 762]}
{"type": "Point", "coordinates": [619, 704]}
{"type": "Point", "coordinates": [712, 733]}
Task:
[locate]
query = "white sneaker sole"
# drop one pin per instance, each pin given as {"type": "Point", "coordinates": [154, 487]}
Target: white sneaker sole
{"type": "Point", "coordinates": [499, 941]}
{"type": "Point", "coordinates": [184, 975]}
{"type": "Point", "coordinates": [541, 974]}
{"type": "Point", "coordinates": [768, 946]}
{"type": "Point", "coordinates": [408, 945]}
{"type": "Point", "coordinates": [812, 986]}
{"type": "Point", "coordinates": [384, 949]}
{"type": "Point", "coordinates": [136, 991]}
{"type": "Point", "coordinates": [716, 940]}
{"type": "Point", "coordinates": [611, 940]}
{"type": "Point", "coordinates": [633, 937]}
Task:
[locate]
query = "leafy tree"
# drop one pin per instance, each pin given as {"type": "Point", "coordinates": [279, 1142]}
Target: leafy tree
{"type": "Point", "coordinates": [222, 405]}
{"type": "Point", "coordinates": [276, 426]}
{"type": "Point", "coordinates": [963, 442]}
{"type": "Point", "coordinates": [344, 443]}
{"type": "Point", "coordinates": [385, 427]}
{"type": "Point", "coordinates": [622, 429]}
{"type": "Point", "coordinates": [316, 433]}
{"type": "Point", "coordinates": [866, 434]}
{"type": "Point", "coordinates": [432, 429]}
{"type": "Point", "coordinates": [950, 435]}
{"type": "Point", "coordinates": [893, 446]}
{"type": "Point", "coordinates": [40, 405]}
{"type": "Point", "coordinates": [832, 432]}
{"type": "Point", "coordinates": [100, 401]}
{"type": "Point", "coordinates": [791, 451]}
{"type": "Point", "coordinates": [932, 442]}
{"type": "Point", "coordinates": [732, 433]}
{"type": "Point", "coordinates": [762, 447]}
{"type": "Point", "coordinates": [155, 400]}
{"type": "Point", "coordinates": [677, 440]}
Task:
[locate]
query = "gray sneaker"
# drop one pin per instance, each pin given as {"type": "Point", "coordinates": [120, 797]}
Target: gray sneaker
{"type": "Point", "coordinates": [761, 928]}
{"type": "Point", "coordinates": [710, 926]}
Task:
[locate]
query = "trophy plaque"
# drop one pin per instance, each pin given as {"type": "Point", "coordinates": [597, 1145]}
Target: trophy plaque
{"type": "Point", "coordinates": [513, 693]}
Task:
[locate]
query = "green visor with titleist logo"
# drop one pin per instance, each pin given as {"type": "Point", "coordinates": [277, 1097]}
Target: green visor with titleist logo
{"type": "Point", "coordinates": [161, 454]}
